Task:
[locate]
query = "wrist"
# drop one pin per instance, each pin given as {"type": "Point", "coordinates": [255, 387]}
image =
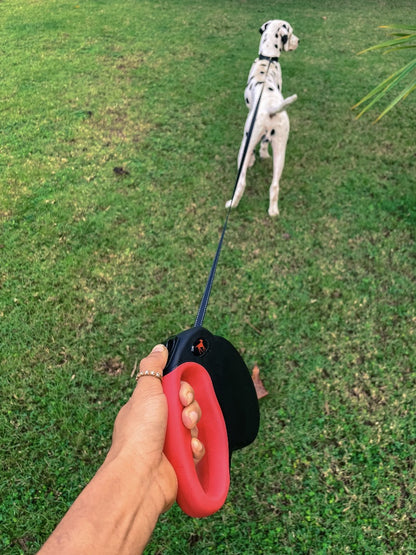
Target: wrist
{"type": "Point", "coordinates": [138, 499]}
{"type": "Point", "coordinates": [152, 478]}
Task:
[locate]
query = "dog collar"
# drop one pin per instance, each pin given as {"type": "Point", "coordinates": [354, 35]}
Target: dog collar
{"type": "Point", "coordinates": [275, 59]}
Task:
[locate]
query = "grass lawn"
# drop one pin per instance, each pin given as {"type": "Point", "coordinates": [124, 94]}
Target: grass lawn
{"type": "Point", "coordinates": [120, 128]}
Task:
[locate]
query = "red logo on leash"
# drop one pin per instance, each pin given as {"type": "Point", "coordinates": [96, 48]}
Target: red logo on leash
{"type": "Point", "coordinates": [200, 347]}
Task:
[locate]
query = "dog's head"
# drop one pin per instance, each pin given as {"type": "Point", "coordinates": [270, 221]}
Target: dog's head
{"type": "Point", "coordinates": [277, 35]}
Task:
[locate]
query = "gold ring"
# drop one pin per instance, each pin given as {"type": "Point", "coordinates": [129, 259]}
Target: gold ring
{"type": "Point", "coordinates": [149, 373]}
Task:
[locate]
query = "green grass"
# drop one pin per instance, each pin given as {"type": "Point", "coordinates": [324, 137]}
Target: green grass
{"type": "Point", "coordinates": [97, 267]}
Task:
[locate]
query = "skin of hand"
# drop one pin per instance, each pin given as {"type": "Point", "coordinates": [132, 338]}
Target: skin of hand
{"type": "Point", "coordinates": [140, 426]}
{"type": "Point", "coordinates": [117, 511]}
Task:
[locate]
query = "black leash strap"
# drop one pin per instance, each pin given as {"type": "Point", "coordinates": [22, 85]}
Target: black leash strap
{"type": "Point", "coordinates": [205, 298]}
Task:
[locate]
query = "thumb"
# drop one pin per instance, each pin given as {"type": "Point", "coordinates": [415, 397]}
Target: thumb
{"type": "Point", "coordinates": [155, 361]}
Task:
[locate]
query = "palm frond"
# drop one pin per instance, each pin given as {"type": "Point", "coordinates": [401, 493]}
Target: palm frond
{"type": "Point", "coordinates": [390, 43]}
{"type": "Point", "coordinates": [393, 26]}
{"type": "Point", "coordinates": [405, 92]}
{"type": "Point", "coordinates": [387, 84]}
{"type": "Point", "coordinates": [405, 47]}
{"type": "Point", "coordinates": [403, 40]}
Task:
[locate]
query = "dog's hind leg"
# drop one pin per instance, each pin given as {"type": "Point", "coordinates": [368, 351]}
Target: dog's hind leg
{"type": "Point", "coordinates": [264, 149]}
{"type": "Point", "coordinates": [278, 163]}
{"type": "Point", "coordinates": [241, 185]}
{"type": "Point", "coordinates": [275, 109]}
{"type": "Point", "coordinates": [279, 141]}
{"type": "Point", "coordinates": [250, 155]}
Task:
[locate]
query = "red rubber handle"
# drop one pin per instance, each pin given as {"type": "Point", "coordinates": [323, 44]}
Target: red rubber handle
{"type": "Point", "coordinates": [202, 490]}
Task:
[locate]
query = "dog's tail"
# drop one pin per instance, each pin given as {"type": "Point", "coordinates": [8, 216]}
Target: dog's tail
{"type": "Point", "coordinates": [279, 107]}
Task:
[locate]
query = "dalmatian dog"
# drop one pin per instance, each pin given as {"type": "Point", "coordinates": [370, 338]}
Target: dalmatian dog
{"type": "Point", "coordinates": [272, 122]}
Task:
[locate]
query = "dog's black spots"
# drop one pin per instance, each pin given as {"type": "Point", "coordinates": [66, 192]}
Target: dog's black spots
{"type": "Point", "coordinates": [247, 100]}
{"type": "Point", "coordinates": [284, 39]}
{"type": "Point", "coordinates": [259, 83]}
{"type": "Point", "coordinates": [118, 170]}
{"type": "Point", "coordinates": [276, 46]}
{"type": "Point", "coordinates": [272, 132]}
{"type": "Point", "coordinates": [278, 86]}
{"type": "Point", "coordinates": [262, 72]}
{"type": "Point", "coordinates": [271, 89]}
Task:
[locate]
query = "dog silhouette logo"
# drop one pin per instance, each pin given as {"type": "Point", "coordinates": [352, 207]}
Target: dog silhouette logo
{"type": "Point", "coordinates": [200, 347]}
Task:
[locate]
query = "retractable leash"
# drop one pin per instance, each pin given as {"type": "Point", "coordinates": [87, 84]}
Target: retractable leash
{"type": "Point", "coordinates": [225, 392]}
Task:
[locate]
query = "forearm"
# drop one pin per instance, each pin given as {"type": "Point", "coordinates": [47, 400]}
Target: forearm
{"type": "Point", "coordinates": [115, 513]}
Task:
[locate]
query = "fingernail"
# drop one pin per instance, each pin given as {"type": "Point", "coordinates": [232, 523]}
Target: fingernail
{"type": "Point", "coordinates": [158, 348]}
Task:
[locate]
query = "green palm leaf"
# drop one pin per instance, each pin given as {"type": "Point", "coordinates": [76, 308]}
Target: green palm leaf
{"type": "Point", "coordinates": [403, 40]}
{"type": "Point", "coordinates": [389, 43]}
{"type": "Point", "coordinates": [405, 92]}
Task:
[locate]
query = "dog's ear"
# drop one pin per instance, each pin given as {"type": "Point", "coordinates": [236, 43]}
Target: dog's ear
{"type": "Point", "coordinates": [263, 27]}
{"type": "Point", "coordinates": [284, 33]}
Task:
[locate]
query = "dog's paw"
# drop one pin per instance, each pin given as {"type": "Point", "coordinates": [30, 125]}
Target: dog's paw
{"type": "Point", "coordinates": [229, 203]}
{"type": "Point", "coordinates": [264, 152]}
{"type": "Point", "coordinates": [273, 211]}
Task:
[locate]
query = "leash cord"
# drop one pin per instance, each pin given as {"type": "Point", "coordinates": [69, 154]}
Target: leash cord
{"type": "Point", "coordinates": [205, 298]}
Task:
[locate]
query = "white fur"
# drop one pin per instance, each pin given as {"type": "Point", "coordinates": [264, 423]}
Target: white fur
{"type": "Point", "coordinates": [272, 121]}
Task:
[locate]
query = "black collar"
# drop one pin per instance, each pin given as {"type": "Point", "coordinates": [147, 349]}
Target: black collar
{"type": "Point", "coordinates": [275, 59]}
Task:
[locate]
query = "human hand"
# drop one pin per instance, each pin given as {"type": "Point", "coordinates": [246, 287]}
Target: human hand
{"type": "Point", "coordinates": [140, 428]}
{"type": "Point", "coordinates": [118, 509]}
